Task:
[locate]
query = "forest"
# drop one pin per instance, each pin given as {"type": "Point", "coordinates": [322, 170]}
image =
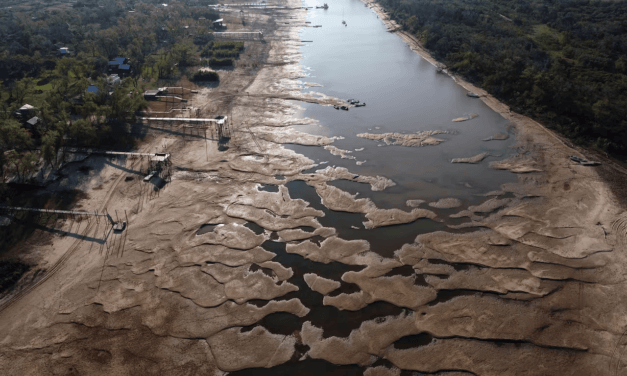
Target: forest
{"type": "Point", "coordinates": [54, 56]}
{"type": "Point", "coordinates": [562, 62]}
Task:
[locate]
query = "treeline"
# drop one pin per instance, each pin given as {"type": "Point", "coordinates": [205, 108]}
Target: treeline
{"type": "Point", "coordinates": [562, 62]}
{"type": "Point", "coordinates": [158, 40]}
{"type": "Point", "coordinates": [141, 31]}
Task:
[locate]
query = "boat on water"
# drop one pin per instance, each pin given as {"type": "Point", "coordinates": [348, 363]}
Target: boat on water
{"type": "Point", "coordinates": [325, 6]}
{"type": "Point", "coordinates": [472, 95]}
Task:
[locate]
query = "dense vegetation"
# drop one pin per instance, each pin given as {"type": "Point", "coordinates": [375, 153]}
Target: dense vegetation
{"type": "Point", "coordinates": [10, 272]}
{"type": "Point", "coordinates": [562, 62]}
{"type": "Point", "coordinates": [159, 41]}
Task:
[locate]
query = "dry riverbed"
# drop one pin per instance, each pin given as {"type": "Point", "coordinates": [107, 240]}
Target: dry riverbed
{"type": "Point", "coordinates": [530, 282]}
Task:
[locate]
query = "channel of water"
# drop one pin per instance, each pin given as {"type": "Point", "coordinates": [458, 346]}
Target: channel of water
{"type": "Point", "coordinates": [403, 94]}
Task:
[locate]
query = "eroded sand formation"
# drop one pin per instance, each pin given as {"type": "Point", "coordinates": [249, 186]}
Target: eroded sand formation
{"type": "Point", "coordinates": [498, 136]}
{"type": "Point", "coordinates": [534, 284]}
{"type": "Point", "coordinates": [424, 138]}
{"type": "Point", "coordinates": [464, 118]}
{"type": "Point", "coordinates": [475, 159]}
{"type": "Point", "coordinates": [445, 203]}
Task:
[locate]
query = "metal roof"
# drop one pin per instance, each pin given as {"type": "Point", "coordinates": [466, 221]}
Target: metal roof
{"type": "Point", "coordinates": [117, 61]}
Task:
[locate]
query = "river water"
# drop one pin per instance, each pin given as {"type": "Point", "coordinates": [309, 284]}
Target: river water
{"type": "Point", "coordinates": [403, 94]}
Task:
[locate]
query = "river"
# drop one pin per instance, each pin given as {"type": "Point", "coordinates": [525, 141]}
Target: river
{"type": "Point", "coordinates": [404, 94]}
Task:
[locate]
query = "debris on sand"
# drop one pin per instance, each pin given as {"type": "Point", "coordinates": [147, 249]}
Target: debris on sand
{"type": "Point", "coordinates": [446, 203]}
{"type": "Point", "coordinates": [476, 159]}
{"type": "Point", "coordinates": [464, 118]}
{"type": "Point", "coordinates": [498, 136]}
{"type": "Point", "coordinates": [413, 139]}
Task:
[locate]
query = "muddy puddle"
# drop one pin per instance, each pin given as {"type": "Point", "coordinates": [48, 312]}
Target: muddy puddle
{"type": "Point", "coordinates": [335, 322]}
{"type": "Point", "coordinates": [383, 240]}
{"type": "Point", "coordinates": [307, 367]}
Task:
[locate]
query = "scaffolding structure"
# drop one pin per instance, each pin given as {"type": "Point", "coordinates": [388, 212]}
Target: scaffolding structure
{"type": "Point", "coordinates": [221, 125]}
{"type": "Point", "coordinates": [11, 210]}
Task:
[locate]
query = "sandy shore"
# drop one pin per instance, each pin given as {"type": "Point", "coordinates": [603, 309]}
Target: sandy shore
{"type": "Point", "coordinates": [533, 280]}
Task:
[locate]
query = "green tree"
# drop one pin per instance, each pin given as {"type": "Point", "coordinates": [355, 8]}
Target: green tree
{"type": "Point", "coordinates": [50, 144]}
{"type": "Point", "coordinates": [83, 131]}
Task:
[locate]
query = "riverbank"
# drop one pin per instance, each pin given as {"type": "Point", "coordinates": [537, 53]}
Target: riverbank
{"type": "Point", "coordinates": [519, 121]}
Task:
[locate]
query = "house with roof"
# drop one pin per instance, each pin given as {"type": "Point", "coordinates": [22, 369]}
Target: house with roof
{"type": "Point", "coordinates": [218, 24]}
{"type": "Point", "coordinates": [26, 112]}
{"type": "Point", "coordinates": [120, 66]}
{"type": "Point", "coordinates": [93, 89]}
{"type": "Point", "coordinates": [112, 81]}
{"type": "Point", "coordinates": [32, 122]}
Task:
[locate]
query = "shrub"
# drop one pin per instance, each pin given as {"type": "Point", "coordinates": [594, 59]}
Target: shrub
{"type": "Point", "coordinates": [221, 62]}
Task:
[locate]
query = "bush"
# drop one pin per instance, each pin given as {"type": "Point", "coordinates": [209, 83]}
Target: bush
{"type": "Point", "coordinates": [221, 62]}
{"type": "Point", "coordinates": [206, 76]}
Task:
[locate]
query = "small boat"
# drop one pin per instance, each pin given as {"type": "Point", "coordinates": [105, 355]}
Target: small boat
{"type": "Point", "coordinates": [472, 95]}
{"type": "Point", "coordinates": [360, 105]}
{"type": "Point", "coordinates": [345, 108]}
{"type": "Point", "coordinates": [325, 6]}
{"type": "Point", "coordinates": [583, 161]}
